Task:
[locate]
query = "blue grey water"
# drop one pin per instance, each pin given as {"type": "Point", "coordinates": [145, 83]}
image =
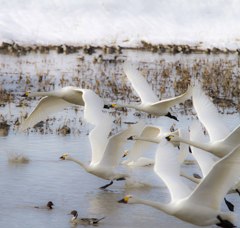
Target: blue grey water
{"type": "Point", "coordinates": [46, 177]}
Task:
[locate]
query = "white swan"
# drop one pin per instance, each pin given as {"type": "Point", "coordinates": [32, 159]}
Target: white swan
{"type": "Point", "coordinates": [152, 134]}
{"type": "Point", "coordinates": [222, 140]}
{"type": "Point", "coordinates": [52, 102]}
{"type": "Point", "coordinates": [150, 102]}
{"type": "Point", "coordinates": [205, 160]}
{"type": "Point", "coordinates": [134, 155]}
{"type": "Point", "coordinates": [202, 206]}
{"type": "Point", "coordinates": [106, 152]}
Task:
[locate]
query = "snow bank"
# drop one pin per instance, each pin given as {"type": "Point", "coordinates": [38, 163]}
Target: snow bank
{"type": "Point", "coordinates": [125, 22]}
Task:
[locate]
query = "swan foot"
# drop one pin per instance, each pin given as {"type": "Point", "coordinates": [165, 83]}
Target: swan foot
{"type": "Point", "coordinates": [121, 179]}
{"type": "Point", "coordinates": [224, 223]}
{"type": "Point", "coordinates": [107, 185]}
{"type": "Point", "coordinates": [171, 116]}
{"type": "Point", "coordinates": [190, 150]}
{"type": "Point", "coordinates": [229, 205]}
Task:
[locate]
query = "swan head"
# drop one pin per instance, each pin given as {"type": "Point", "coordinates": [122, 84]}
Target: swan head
{"type": "Point", "coordinates": [172, 138]}
{"type": "Point", "coordinates": [64, 157]}
{"type": "Point", "coordinates": [133, 137]}
{"type": "Point", "coordinates": [50, 204]}
{"type": "Point", "coordinates": [110, 106]}
{"type": "Point", "coordinates": [126, 199]}
{"type": "Point", "coordinates": [26, 94]}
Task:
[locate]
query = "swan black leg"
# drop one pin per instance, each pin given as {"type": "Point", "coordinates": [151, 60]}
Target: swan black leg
{"type": "Point", "coordinates": [121, 179]}
{"type": "Point", "coordinates": [229, 205]}
{"type": "Point", "coordinates": [224, 223]}
{"type": "Point", "coordinates": [105, 186]}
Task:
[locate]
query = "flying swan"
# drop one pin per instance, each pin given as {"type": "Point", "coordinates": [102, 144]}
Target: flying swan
{"type": "Point", "coordinates": [202, 206]}
{"type": "Point", "coordinates": [106, 151]}
{"type": "Point", "coordinates": [150, 102]}
{"type": "Point", "coordinates": [52, 102]}
{"type": "Point", "coordinates": [222, 139]}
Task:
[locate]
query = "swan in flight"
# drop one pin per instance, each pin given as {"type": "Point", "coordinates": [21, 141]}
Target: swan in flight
{"type": "Point", "coordinates": [150, 102]}
{"type": "Point", "coordinates": [83, 221]}
{"type": "Point", "coordinates": [222, 139]}
{"type": "Point", "coordinates": [134, 155]}
{"type": "Point", "coordinates": [152, 135]}
{"type": "Point", "coordinates": [106, 151]}
{"type": "Point", "coordinates": [205, 160]}
{"type": "Point", "coordinates": [52, 102]}
{"type": "Point", "coordinates": [202, 206]}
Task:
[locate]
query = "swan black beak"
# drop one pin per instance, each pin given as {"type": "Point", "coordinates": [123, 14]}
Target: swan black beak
{"type": "Point", "coordinates": [122, 201]}
{"type": "Point", "coordinates": [62, 158]}
{"type": "Point", "coordinates": [107, 106]}
{"type": "Point", "coordinates": [25, 94]}
{"type": "Point", "coordinates": [168, 138]}
{"type": "Point", "coordinates": [130, 138]}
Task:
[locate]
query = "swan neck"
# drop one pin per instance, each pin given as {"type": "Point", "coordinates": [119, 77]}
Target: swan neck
{"type": "Point", "coordinates": [40, 94]}
{"type": "Point", "coordinates": [147, 139]}
{"type": "Point", "coordinates": [159, 206]}
{"type": "Point", "coordinates": [78, 162]}
{"type": "Point", "coordinates": [202, 146]}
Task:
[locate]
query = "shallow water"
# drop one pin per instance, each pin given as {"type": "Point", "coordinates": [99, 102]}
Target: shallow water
{"type": "Point", "coordinates": [45, 178]}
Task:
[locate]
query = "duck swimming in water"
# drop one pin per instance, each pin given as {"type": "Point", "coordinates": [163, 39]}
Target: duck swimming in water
{"type": "Point", "coordinates": [48, 206]}
{"type": "Point", "coordinates": [84, 221]}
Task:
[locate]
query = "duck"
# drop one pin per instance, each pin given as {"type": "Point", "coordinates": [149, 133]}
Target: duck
{"type": "Point", "coordinates": [106, 151]}
{"type": "Point", "coordinates": [149, 101]}
{"type": "Point", "coordinates": [84, 221]}
{"type": "Point", "coordinates": [48, 206]}
{"type": "Point", "coordinates": [222, 138]}
{"type": "Point", "coordinates": [52, 102]}
{"type": "Point", "coordinates": [201, 206]}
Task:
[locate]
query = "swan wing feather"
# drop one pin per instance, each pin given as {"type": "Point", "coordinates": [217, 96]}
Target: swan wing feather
{"type": "Point", "coordinates": [45, 107]}
{"type": "Point", "coordinates": [167, 168]}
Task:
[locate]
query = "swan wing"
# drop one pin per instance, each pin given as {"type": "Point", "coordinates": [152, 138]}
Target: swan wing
{"type": "Point", "coordinates": [45, 107]}
{"type": "Point", "coordinates": [115, 147]}
{"type": "Point", "coordinates": [169, 102]}
{"type": "Point", "coordinates": [184, 148]}
{"type": "Point", "coordinates": [140, 146]}
{"type": "Point", "coordinates": [233, 137]}
{"type": "Point", "coordinates": [205, 160]}
{"type": "Point", "coordinates": [102, 123]}
{"type": "Point", "coordinates": [167, 168]}
{"type": "Point", "coordinates": [208, 115]}
{"type": "Point", "coordinates": [140, 85]}
{"type": "Point", "coordinates": [223, 175]}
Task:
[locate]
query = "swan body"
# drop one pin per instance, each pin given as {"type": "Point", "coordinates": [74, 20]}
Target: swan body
{"type": "Point", "coordinates": [106, 151]}
{"type": "Point", "coordinates": [222, 139]}
{"type": "Point", "coordinates": [52, 102]}
{"type": "Point", "coordinates": [202, 206]}
{"type": "Point", "coordinates": [150, 103]}
{"type": "Point", "coordinates": [151, 134]}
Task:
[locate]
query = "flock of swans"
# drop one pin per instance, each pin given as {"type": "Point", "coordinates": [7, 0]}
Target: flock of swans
{"type": "Point", "coordinates": [218, 158]}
